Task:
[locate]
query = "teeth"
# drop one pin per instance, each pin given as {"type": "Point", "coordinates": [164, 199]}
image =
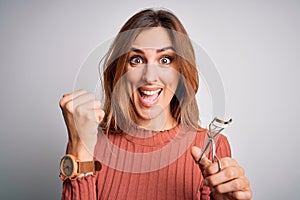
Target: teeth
{"type": "Point", "coordinates": [147, 92]}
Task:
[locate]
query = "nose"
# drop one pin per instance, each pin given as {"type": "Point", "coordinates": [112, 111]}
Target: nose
{"type": "Point", "coordinates": [150, 74]}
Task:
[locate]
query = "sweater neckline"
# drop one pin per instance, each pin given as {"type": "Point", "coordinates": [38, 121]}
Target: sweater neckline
{"type": "Point", "coordinates": [150, 138]}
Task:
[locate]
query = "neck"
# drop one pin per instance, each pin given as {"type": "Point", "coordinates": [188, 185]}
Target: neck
{"type": "Point", "coordinates": [164, 121]}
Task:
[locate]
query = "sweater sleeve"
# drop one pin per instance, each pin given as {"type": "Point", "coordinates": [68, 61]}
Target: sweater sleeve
{"type": "Point", "coordinates": [79, 188]}
{"type": "Point", "coordinates": [223, 147]}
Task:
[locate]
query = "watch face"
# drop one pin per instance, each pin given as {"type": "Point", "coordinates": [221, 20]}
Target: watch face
{"type": "Point", "coordinates": [67, 166]}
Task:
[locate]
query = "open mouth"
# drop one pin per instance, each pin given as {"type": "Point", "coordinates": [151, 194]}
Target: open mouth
{"type": "Point", "coordinates": [149, 96]}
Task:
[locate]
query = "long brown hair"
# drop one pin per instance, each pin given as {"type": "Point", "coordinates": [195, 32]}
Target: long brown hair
{"type": "Point", "coordinates": [119, 110]}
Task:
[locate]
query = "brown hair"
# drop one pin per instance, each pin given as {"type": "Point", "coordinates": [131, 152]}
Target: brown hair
{"type": "Point", "coordinates": [119, 110]}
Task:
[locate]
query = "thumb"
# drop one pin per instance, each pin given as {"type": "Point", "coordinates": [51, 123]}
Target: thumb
{"type": "Point", "coordinates": [196, 153]}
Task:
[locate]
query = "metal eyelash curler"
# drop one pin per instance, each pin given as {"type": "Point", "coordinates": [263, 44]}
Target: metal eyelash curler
{"type": "Point", "coordinates": [215, 127]}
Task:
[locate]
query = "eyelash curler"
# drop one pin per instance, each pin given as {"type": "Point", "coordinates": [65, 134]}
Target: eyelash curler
{"type": "Point", "coordinates": [215, 127]}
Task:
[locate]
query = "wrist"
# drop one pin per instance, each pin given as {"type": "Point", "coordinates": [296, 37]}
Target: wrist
{"type": "Point", "coordinates": [71, 166]}
{"type": "Point", "coordinates": [79, 151]}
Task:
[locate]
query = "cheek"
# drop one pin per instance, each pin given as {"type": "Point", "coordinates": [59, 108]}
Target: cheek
{"type": "Point", "coordinates": [133, 77]}
{"type": "Point", "coordinates": [170, 78]}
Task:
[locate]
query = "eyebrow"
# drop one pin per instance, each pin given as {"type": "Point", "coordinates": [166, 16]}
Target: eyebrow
{"type": "Point", "coordinates": [157, 50]}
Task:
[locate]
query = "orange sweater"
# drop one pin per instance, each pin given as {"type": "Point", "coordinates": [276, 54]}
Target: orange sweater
{"type": "Point", "coordinates": [141, 167]}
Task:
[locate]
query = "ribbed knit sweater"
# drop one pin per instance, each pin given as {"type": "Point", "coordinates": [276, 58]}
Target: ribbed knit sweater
{"type": "Point", "coordinates": [147, 165]}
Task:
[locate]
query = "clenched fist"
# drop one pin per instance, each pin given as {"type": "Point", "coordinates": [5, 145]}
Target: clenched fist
{"type": "Point", "coordinates": [82, 115]}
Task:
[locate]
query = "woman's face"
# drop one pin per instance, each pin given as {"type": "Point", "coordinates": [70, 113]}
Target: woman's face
{"type": "Point", "coordinates": [152, 78]}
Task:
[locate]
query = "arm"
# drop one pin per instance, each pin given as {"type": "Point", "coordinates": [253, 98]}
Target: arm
{"type": "Point", "coordinates": [82, 115]}
{"type": "Point", "coordinates": [79, 188]}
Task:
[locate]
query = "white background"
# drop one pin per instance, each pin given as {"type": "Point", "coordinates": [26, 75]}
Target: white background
{"type": "Point", "coordinates": [255, 46]}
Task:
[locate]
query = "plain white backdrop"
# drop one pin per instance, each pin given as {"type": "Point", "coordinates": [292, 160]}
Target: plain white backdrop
{"type": "Point", "coordinates": [254, 45]}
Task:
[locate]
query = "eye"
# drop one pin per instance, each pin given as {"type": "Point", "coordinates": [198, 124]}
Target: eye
{"type": "Point", "coordinates": [166, 60]}
{"type": "Point", "coordinates": [136, 60]}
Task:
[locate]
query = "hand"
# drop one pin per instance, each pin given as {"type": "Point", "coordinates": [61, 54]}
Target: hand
{"type": "Point", "coordinates": [82, 115]}
{"type": "Point", "coordinates": [229, 183]}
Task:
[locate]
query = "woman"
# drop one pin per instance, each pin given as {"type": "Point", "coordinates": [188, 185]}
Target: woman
{"type": "Point", "coordinates": [147, 134]}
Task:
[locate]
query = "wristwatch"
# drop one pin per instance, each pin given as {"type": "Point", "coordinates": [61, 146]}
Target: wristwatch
{"type": "Point", "coordinates": [71, 167]}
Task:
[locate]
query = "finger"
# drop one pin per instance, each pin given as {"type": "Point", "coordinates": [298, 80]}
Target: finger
{"type": "Point", "coordinates": [68, 97]}
{"type": "Point", "coordinates": [91, 110]}
{"type": "Point", "coordinates": [89, 103]}
{"type": "Point", "coordinates": [83, 98]}
{"type": "Point", "coordinates": [79, 101]}
{"type": "Point", "coordinates": [225, 176]}
{"type": "Point", "coordinates": [196, 153]}
{"type": "Point", "coordinates": [97, 104]}
{"type": "Point", "coordinates": [99, 115]}
{"type": "Point", "coordinates": [204, 162]}
{"type": "Point", "coordinates": [75, 93]}
{"type": "Point", "coordinates": [238, 184]}
{"type": "Point", "coordinates": [246, 194]}
{"type": "Point", "coordinates": [87, 108]}
{"type": "Point", "coordinates": [225, 163]}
